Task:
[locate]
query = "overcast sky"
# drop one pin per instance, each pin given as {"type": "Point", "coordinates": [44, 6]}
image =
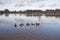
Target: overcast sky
{"type": "Point", "coordinates": [29, 4]}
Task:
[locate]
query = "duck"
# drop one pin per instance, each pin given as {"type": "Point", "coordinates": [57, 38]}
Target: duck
{"type": "Point", "coordinates": [37, 24]}
{"type": "Point", "coordinates": [32, 24]}
{"type": "Point", "coordinates": [27, 24]}
{"type": "Point", "coordinates": [15, 25]}
{"type": "Point", "coordinates": [21, 24]}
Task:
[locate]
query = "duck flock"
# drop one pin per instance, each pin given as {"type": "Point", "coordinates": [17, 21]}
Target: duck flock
{"type": "Point", "coordinates": [28, 24]}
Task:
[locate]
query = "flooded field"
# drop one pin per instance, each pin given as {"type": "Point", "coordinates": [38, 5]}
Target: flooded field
{"type": "Point", "coordinates": [33, 28]}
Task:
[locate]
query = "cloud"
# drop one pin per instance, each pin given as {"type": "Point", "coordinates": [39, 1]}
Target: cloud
{"type": "Point", "coordinates": [19, 5]}
{"type": "Point", "coordinates": [53, 5]}
{"type": "Point", "coordinates": [35, 0]}
{"type": "Point", "coordinates": [30, 4]}
{"type": "Point", "coordinates": [2, 2]}
{"type": "Point", "coordinates": [21, 1]}
{"type": "Point", "coordinates": [42, 5]}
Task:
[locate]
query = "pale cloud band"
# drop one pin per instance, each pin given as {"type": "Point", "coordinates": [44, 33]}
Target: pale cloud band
{"type": "Point", "coordinates": [29, 4]}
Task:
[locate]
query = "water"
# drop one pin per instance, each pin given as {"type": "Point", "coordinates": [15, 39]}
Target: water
{"type": "Point", "coordinates": [49, 28]}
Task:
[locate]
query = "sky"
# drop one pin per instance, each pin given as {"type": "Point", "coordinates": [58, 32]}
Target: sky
{"type": "Point", "coordinates": [29, 4]}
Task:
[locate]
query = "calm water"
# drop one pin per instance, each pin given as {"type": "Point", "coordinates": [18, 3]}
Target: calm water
{"type": "Point", "coordinates": [49, 28]}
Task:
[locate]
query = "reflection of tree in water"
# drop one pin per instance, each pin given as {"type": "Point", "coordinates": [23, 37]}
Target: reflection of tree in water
{"type": "Point", "coordinates": [57, 16]}
{"type": "Point", "coordinates": [6, 15]}
{"type": "Point", "coordinates": [1, 14]}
